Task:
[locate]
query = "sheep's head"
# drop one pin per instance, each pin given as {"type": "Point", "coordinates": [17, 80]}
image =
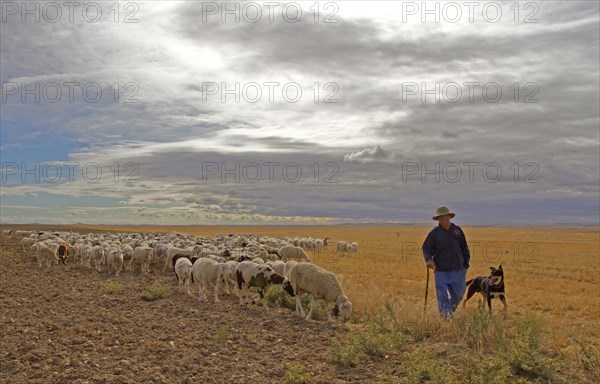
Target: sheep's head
{"type": "Point", "coordinates": [342, 309]}
{"type": "Point", "coordinates": [225, 269]}
{"type": "Point", "coordinates": [287, 286]}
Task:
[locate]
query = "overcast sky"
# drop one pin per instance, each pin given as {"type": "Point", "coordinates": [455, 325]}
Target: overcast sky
{"type": "Point", "coordinates": [336, 110]}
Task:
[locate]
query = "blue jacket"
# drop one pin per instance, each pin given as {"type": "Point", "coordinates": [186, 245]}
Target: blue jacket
{"type": "Point", "coordinates": [447, 248]}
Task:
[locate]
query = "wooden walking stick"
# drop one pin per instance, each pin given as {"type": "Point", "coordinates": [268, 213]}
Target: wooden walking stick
{"type": "Point", "coordinates": [426, 290]}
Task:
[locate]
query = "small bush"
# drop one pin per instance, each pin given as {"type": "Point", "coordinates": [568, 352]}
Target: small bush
{"type": "Point", "coordinates": [528, 362]}
{"type": "Point", "coordinates": [344, 354]}
{"type": "Point", "coordinates": [371, 342]}
{"type": "Point", "coordinates": [295, 374]}
{"type": "Point", "coordinates": [276, 295]}
{"type": "Point", "coordinates": [525, 354]}
{"type": "Point", "coordinates": [113, 288]}
{"type": "Point", "coordinates": [222, 336]}
{"type": "Point", "coordinates": [529, 330]}
{"type": "Point", "coordinates": [421, 368]}
{"type": "Point", "coordinates": [481, 370]}
{"type": "Point", "coordinates": [587, 357]}
{"type": "Point", "coordinates": [421, 365]}
{"type": "Point", "coordinates": [423, 330]}
{"type": "Point", "coordinates": [383, 334]}
{"type": "Point", "coordinates": [4, 254]}
{"type": "Point", "coordinates": [321, 311]}
{"type": "Point", "coordinates": [155, 292]}
{"type": "Point", "coordinates": [388, 324]}
{"type": "Point", "coordinates": [481, 331]}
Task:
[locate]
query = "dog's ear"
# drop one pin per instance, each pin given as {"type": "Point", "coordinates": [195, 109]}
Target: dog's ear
{"type": "Point", "coordinates": [492, 269]}
{"type": "Point", "coordinates": [500, 267]}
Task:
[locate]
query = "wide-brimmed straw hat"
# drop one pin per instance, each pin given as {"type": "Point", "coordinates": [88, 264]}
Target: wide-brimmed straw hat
{"type": "Point", "coordinates": [441, 211]}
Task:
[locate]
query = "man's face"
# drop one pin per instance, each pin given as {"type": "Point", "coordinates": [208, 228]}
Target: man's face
{"type": "Point", "coordinates": [444, 220]}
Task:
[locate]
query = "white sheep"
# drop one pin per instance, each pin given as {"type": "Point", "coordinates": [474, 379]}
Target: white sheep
{"type": "Point", "coordinates": [342, 246]}
{"type": "Point", "coordinates": [216, 258]}
{"type": "Point", "coordinates": [309, 244]}
{"type": "Point", "coordinates": [288, 267]}
{"type": "Point", "coordinates": [258, 260]}
{"type": "Point", "coordinates": [114, 260]}
{"type": "Point", "coordinates": [142, 255]}
{"type": "Point", "coordinates": [127, 254]}
{"type": "Point", "coordinates": [27, 242]}
{"type": "Point", "coordinates": [262, 253]}
{"type": "Point", "coordinates": [292, 252]}
{"type": "Point", "coordinates": [76, 251]}
{"type": "Point", "coordinates": [160, 250]}
{"type": "Point", "coordinates": [205, 252]}
{"type": "Point", "coordinates": [278, 266]}
{"type": "Point", "coordinates": [260, 276]}
{"type": "Point", "coordinates": [320, 284]}
{"type": "Point", "coordinates": [183, 270]}
{"type": "Point", "coordinates": [272, 257]}
{"type": "Point", "coordinates": [207, 271]}
{"type": "Point", "coordinates": [86, 256]}
{"type": "Point", "coordinates": [233, 265]}
{"type": "Point", "coordinates": [98, 256]}
{"type": "Point", "coordinates": [45, 254]}
{"type": "Point", "coordinates": [319, 245]}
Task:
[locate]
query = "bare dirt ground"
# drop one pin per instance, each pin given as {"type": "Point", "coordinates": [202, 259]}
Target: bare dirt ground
{"type": "Point", "coordinates": [60, 326]}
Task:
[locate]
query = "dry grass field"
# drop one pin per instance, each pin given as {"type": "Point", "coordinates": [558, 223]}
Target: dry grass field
{"type": "Point", "coordinates": [551, 334]}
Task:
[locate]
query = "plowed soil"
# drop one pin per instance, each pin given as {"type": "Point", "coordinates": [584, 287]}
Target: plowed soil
{"type": "Point", "coordinates": [60, 325]}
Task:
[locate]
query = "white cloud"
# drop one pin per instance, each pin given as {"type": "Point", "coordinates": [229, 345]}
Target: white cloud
{"type": "Point", "coordinates": [367, 155]}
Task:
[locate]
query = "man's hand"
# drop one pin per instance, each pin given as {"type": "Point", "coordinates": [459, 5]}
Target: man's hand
{"type": "Point", "coordinates": [430, 264]}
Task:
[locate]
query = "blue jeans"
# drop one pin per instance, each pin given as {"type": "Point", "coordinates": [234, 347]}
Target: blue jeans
{"type": "Point", "coordinates": [450, 287]}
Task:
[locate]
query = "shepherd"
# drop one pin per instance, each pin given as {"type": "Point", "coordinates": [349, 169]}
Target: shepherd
{"type": "Point", "coordinates": [445, 251]}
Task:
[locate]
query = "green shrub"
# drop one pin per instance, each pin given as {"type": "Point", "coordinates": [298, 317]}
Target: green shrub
{"type": "Point", "coordinates": [113, 287]}
{"type": "Point", "coordinates": [155, 292]}
{"type": "Point", "coordinates": [529, 330]}
{"type": "Point", "coordinates": [525, 354]}
{"type": "Point", "coordinates": [4, 254]}
{"type": "Point", "coordinates": [482, 370]}
{"type": "Point", "coordinates": [277, 296]}
{"type": "Point", "coordinates": [344, 354]}
{"type": "Point", "coordinates": [388, 324]}
{"type": "Point", "coordinates": [481, 331]}
{"type": "Point", "coordinates": [295, 374]}
{"type": "Point", "coordinates": [419, 367]}
{"type": "Point", "coordinates": [371, 342]}
{"type": "Point", "coordinates": [528, 362]}
{"type": "Point", "coordinates": [222, 336]}
{"type": "Point", "coordinates": [382, 335]}
{"type": "Point", "coordinates": [588, 358]}
{"type": "Point", "coordinates": [423, 330]}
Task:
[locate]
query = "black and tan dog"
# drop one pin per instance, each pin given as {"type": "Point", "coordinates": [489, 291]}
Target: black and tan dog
{"type": "Point", "coordinates": [489, 287]}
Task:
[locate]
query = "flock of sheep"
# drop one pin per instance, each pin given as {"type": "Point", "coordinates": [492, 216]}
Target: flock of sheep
{"type": "Point", "coordinates": [239, 262]}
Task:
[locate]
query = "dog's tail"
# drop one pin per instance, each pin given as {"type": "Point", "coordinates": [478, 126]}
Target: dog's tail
{"type": "Point", "coordinates": [469, 282]}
